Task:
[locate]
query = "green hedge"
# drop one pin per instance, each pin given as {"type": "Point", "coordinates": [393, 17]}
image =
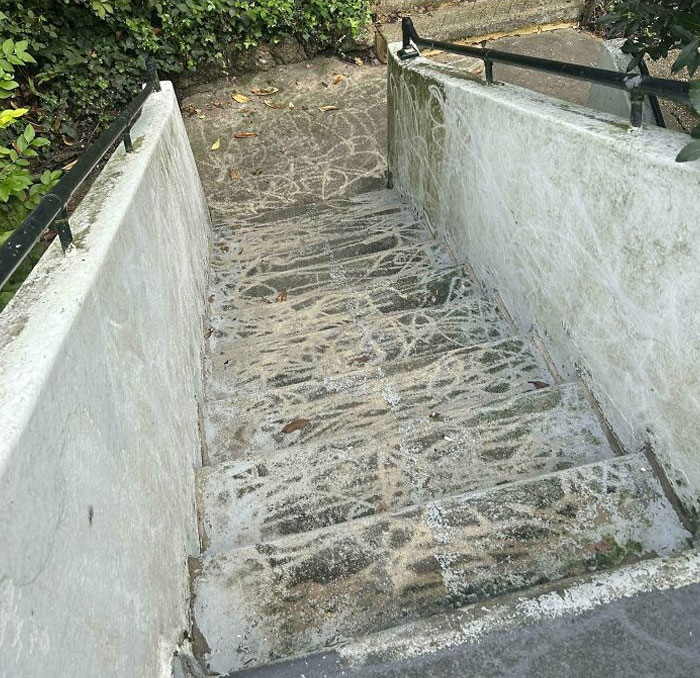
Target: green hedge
{"type": "Point", "coordinates": [90, 53]}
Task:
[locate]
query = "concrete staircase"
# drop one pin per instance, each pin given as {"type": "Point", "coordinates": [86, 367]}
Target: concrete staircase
{"type": "Point", "coordinates": [382, 447]}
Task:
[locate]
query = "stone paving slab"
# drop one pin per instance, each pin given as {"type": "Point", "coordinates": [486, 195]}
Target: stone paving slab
{"type": "Point", "coordinates": [457, 450]}
{"type": "Point", "coordinates": [304, 592]}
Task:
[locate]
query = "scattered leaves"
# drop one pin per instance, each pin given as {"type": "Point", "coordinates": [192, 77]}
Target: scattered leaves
{"type": "Point", "coordinates": [282, 296]}
{"type": "Point", "coordinates": [215, 146]}
{"type": "Point", "coordinates": [245, 135]}
{"type": "Point", "coordinates": [295, 425]}
{"type": "Point", "coordinates": [539, 384]}
{"type": "Point", "coordinates": [264, 92]}
{"type": "Point", "coordinates": [324, 109]}
{"type": "Point", "coordinates": [234, 174]}
{"type": "Point", "coordinates": [240, 98]}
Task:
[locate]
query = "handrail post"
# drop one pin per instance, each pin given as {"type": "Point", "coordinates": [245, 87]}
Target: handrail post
{"type": "Point", "coordinates": [488, 69]}
{"type": "Point", "coordinates": [637, 108]}
{"type": "Point", "coordinates": [152, 73]}
{"type": "Point", "coordinates": [409, 36]}
{"type": "Point", "coordinates": [62, 225]}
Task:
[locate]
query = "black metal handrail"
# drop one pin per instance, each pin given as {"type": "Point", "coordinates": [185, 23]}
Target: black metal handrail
{"type": "Point", "coordinates": [51, 209]}
{"type": "Point", "coordinates": [635, 84]}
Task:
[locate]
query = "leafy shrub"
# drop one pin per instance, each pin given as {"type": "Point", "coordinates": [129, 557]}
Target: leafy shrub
{"type": "Point", "coordinates": [20, 191]}
{"type": "Point", "coordinates": [91, 53]}
{"type": "Point", "coordinates": [655, 29]}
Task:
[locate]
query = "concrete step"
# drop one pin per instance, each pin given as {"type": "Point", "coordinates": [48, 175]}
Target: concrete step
{"type": "Point", "coordinates": [338, 307]}
{"type": "Point", "coordinates": [481, 18]}
{"type": "Point", "coordinates": [391, 260]}
{"type": "Point", "coordinates": [307, 592]}
{"type": "Point", "coordinates": [604, 623]}
{"type": "Point", "coordinates": [246, 423]}
{"type": "Point", "coordinates": [292, 353]}
{"type": "Point", "coordinates": [309, 235]}
{"type": "Point", "coordinates": [306, 487]}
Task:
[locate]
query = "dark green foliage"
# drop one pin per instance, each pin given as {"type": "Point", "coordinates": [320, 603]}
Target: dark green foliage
{"type": "Point", "coordinates": [656, 28]}
{"type": "Point", "coordinates": [91, 53]}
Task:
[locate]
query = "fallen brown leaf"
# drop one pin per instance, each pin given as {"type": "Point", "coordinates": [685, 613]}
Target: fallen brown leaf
{"type": "Point", "coordinates": [240, 98]}
{"type": "Point", "coordinates": [234, 174]}
{"type": "Point", "coordinates": [264, 92]}
{"type": "Point", "coordinates": [274, 104]}
{"type": "Point", "coordinates": [360, 361]}
{"type": "Point", "coordinates": [245, 135]}
{"type": "Point", "coordinates": [338, 78]}
{"type": "Point", "coordinates": [323, 109]}
{"type": "Point", "coordinates": [539, 384]}
{"type": "Point", "coordinates": [295, 425]}
{"type": "Point", "coordinates": [282, 296]}
{"type": "Point", "coordinates": [69, 165]}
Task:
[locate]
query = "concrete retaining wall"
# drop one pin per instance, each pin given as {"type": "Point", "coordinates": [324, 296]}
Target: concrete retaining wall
{"type": "Point", "coordinates": [588, 229]}
{"type": "Point", "coordinates": [100, 379]}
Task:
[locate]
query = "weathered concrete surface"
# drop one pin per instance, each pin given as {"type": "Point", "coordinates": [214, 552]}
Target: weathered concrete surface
{"type": "Point", "coordinates": [458, 449]}
{"type": "Point", "coordinates": [479, 18]}
{"type": "Point", "coordinates": [603, 264]}
{"type": "Point", "coordinates": [641, 621]}
{"type": "Point", "coordinates": [300, 155]}
{"type": "Point", "coordinates": [304, 592]}
{"type": "Point", "coordinates": [101, 376]}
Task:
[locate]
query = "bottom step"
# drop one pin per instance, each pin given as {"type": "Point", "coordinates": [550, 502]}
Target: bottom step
{"type": "Point", "coordinates": [306, 592]}
{"type": "Point", "coordinates": [640, 620]}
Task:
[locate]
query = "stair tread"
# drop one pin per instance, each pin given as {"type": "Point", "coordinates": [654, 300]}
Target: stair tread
{"type": "Point", "coordinates": [293, 353]}
{"type": "Point", "coordinates": [307, 487]}
{"type": "Point", "coordinates": [333, 273]}
{"type": "Point", "coordinates": [304, 592]}
{"type": "Point", "coordinates": [300, 237]}
{"type": "Point", "coordinates": [249, 422]}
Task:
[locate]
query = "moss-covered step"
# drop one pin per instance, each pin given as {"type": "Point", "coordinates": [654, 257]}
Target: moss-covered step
{"type": "Point", "coordinates": [248, 422]}
{"type": "Point", "coordinates": [306, 487]}
{"type": "Point", "coordinates": [309, 591]}
{"type": "Point", "coordinates": [294, 354]}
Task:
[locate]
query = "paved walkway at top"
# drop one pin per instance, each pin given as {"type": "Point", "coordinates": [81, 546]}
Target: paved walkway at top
{"type": "Point", "coordinates": [300, 153]}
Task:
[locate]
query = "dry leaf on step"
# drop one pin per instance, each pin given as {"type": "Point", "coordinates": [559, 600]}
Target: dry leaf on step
{"type": "Point", "coordinates": [274, 104]}
{"type": "Point", "coordinates": [338, 78]}
{"type": "Point", "coordinates": [234, 174]}
{"type": "Point", "coordinates": [240, 98]}
{"type": "Point", "coordinates": [282, 296]}
{"type": "Point", "coordinates": [323, 109]}
{"type": "Point", "coordinates": [539, 384]}
{"type": "Point", "coordinates": [295, 425]}
{"type": "Point", "coordinates": [245, 135]}
{"type": "Point", "coordinates": [216, 145]}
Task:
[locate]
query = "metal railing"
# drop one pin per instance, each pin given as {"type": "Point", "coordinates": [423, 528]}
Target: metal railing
{"type": "Point", "coordinates": [51, 210]}
{"type": "Point", "coordinates": [637, 85]}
